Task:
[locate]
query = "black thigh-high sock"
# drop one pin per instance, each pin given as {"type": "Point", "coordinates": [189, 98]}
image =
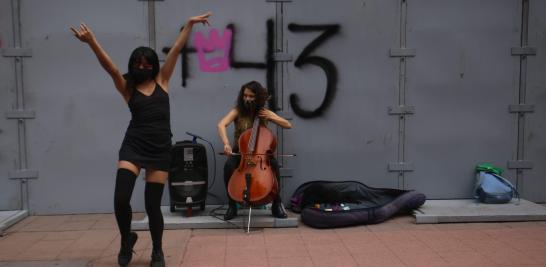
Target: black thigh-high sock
{"type": "Point", "coordinates": [152, 200]}
{"type": "Point", "coordinates": [125, 183]}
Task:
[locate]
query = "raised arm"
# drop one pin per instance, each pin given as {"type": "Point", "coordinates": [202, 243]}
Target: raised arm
{"type": "Point", "coordinates": [170, 61]}
{"type": "Point", "coordinates": [85, 35]}
{"type": "Point", "coordinates": [222, 125]}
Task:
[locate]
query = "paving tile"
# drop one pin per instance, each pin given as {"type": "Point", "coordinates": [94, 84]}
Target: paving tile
{"type": "Point", "coordinates": [286, 251]}
{"type": "Point", "coordinates": [208, 232]}
{"type": "Point", "coordinates": [467, 258]}
{"type": "Point", "coordinates": [410, 246]}
{"type": "Point", "coordinates": [365, 249]}
{"type": "Point", "coordinates": [291, 262]}
{"type": "Point", "coordinates": [284, 240]}
{"type": "Point", "coordinates": [321, 237]}
{"type": "Point", "coordinates": [281, 231]}
{"type": "Point", "coordinates": [16, 242]}
{"type": "Point", "coordinates": [208, 240]}
{"type": "Point", "coordinates": [352, 229]}
{"type": "Point", "coordinates": [256, 239]}
{"type": "Point", "coordinates": [384, 227]}
{"type": "Point", "coordinates": [107, 262]}
{"type": "Point", "coordinates": [250, 261]}
{"type": "Point", "coordinates": [485, 245]}
{"type": "Point", "coordinates": [94, 240]}
{"type": "Point", "coordinates": [239, 231]}
{"type": "Point", "coordinates": [173, 256]}
{"type": "Point", "coordinates": [359, 235]}
{"type": "Point", "coordinates": [88, 217]}
{"type": "Point", "coordinates": [395, 236]}
{"type": "Point", "coordinates": [302, 228]}
{"type": "Point", "coordinates": [79, 254]}
{"type": "Point", "coordinates": [329, 260]}
{"type": "Point", "coordinates": [525, 244]}
{"type": "Point", "coordinates": [529, 224]}
{"type": "Point", "coordinates": [204, 263]}
{"type": "Point", "coordinates": [466, 226]}
{"type": "Point", "coordinates": [203, 252]}
{"type": "Point", "coordinates": [508, 256]}
{"type": "Point", "coordinates": [105, 222]}
{"type": "Point", "coordinates": [75, 225]}
{"type": "Point", "coordinates": [322, 250]}
{"type": "Point", "coordinates": [44, 250]}
{"type": "Point", "coordinates": [469, 235]}
{"type": "Point", "coordinates": [538, 256]}
{"type": "Point", "coordinates": [175, 238]}
{"type": "Point", "coordinates": [442, 241]}
{"type": "Point", "coordinates": [418, 227]}
{"type": "Point", "coordinates": [385, 258]}
{"type": "Point", "coordinates": [249, 252]}
{"type": "Point", "coordinates": [418, 259]}
{"type": "Point", "coordinates": [65, 235]}
{"type": "Point", "coordinates": [45, 223]}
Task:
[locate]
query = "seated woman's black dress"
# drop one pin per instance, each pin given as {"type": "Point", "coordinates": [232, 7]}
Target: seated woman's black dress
{"type": "Point", "coordinates": [147, 142]}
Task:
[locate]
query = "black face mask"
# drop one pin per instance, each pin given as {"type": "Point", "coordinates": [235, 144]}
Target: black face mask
{"type": "Point", "coordinates": [141, 75]}
{"type": "Point", "coordinates": [249, 105]}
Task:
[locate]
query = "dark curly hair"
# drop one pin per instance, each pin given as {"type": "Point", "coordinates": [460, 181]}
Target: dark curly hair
{"type": "Point", "coordinates": [261, 97]}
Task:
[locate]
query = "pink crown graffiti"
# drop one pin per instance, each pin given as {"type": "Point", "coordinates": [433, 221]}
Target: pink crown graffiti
{"type": "Point", "coordinates": [214, 42]}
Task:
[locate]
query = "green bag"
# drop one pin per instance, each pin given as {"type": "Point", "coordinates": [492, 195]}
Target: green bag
{"type": "Point", "coordinates": [488, 168]}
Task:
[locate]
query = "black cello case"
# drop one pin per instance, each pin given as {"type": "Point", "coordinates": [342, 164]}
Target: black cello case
{"type": "Point", "coordinates": [188, 176]}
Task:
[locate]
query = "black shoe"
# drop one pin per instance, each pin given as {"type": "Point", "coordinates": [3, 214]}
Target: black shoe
{"type": "Point", "coordinates": [231, 212]}
{"type": "Point", "coordinates": [158, 260]}
{"type": "Point", "coordinates": [126, 251]}
{"type": "Point", "coordinates": [277, 210]}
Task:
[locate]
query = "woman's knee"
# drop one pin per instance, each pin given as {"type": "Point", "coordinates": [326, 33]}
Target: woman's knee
{"type": "Point", "coordinates": [123, 164]}
{"type": "Point", "coordinates": [156, 176]}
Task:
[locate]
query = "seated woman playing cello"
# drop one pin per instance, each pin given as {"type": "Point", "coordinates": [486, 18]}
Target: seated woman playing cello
{"type": "Point", "coordinates": [250, 106]}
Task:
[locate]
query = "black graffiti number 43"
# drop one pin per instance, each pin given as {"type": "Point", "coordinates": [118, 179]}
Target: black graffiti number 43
{"type": "Point", "coordinates": [325, 64]}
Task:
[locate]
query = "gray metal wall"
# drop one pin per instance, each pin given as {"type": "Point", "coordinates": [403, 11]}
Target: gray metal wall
{"type": "Point", "coordinates": [403, 94]}
{"type": "Point", "coordinates": [461, 82]}
{"type": "Point", "coordinates": [9, 189]}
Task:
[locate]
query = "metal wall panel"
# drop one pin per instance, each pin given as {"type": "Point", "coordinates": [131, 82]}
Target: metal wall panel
{"type": "Point", "coordinates": [534, 181]}
{"type": "Point", "coordinates": [81, 118]}
{"type": "Point", "coordinates": [9, 189]}
{"type": "Point", "coordinates": [210, 91]}
{"type": "Point", "coordinates": [461, 82]}
{"type": "Point", "coordinates": [354, 138]}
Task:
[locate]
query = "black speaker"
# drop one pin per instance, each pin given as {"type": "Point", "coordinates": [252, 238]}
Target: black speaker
{"type": "Point", "coordinates": [188, 176]}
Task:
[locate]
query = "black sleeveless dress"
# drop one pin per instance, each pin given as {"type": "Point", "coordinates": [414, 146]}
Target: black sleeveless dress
{"type": "Point", "coordinates": [147, 142]}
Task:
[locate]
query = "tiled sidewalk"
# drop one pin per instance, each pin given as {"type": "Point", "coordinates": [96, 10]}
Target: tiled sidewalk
{"type": "Point", "coordinates": [92, 240]}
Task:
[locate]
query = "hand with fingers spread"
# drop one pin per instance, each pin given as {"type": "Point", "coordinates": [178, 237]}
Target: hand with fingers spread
{"type": "Point", "coordinates": [84, 33]}
{"type": "Point", "coordinates": [201, 19]}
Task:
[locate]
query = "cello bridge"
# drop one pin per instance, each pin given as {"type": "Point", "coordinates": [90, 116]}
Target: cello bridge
{"type": "Point", "coordinates": [249, 162]}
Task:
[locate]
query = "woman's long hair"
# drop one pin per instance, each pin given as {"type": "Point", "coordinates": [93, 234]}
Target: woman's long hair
{"type": "Point", "coordinates": [261, 98]}
{"type": "Point", "coordinates": [141, 52]}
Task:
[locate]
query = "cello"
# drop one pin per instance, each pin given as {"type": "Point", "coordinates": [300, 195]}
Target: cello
{"type": "Point", "coordinates": [254, 181]}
